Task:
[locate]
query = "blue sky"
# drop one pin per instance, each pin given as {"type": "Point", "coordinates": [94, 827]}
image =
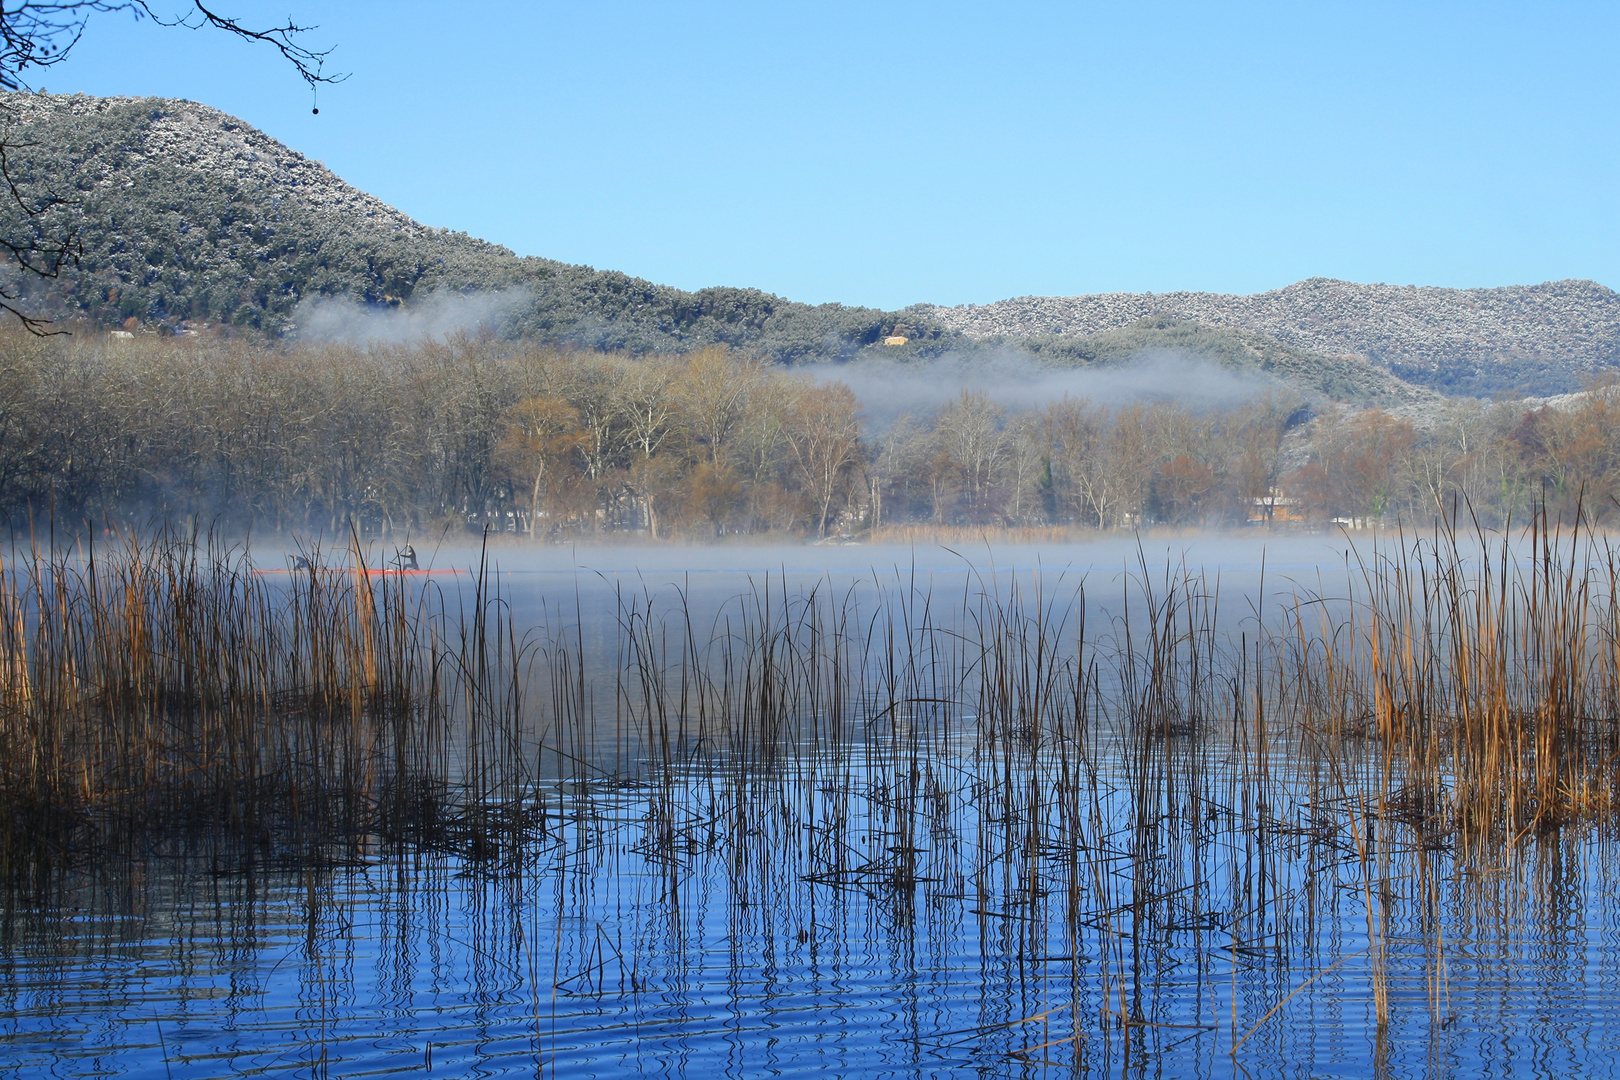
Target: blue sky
{"type": "Point", "coordinates": [886, 154]}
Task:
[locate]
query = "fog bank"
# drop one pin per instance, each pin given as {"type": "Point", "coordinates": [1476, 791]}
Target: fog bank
{"type": "Point", "coordinates": [346, 322]}
{"type": "Point", "coordinates": [888, 388]}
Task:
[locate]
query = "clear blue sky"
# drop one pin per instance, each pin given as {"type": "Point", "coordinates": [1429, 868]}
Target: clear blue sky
{"type": "Point", "coordinates": [879, 153]}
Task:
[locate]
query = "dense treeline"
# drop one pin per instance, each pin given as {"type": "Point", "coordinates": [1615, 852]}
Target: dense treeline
{"type": "Point", "coordinates": [475, 432]}
{"type": "Point", "coordinates": [471, 430]}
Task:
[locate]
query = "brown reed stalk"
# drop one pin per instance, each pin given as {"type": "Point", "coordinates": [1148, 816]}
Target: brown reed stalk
{"type": "Point", "coordinates": [163, 683]}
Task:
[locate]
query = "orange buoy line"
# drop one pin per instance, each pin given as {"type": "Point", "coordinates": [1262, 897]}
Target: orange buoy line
{"type": "Point", "coordinates": [369, 571]}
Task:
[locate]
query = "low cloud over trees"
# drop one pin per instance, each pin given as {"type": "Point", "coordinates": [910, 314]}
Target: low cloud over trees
{"type": "Point", "coordinates": [548, 443]}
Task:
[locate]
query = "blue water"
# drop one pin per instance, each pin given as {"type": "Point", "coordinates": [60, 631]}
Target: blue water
{"type": "Point", "coordinates": [876, 911]}
{"type": "Point", "coordinates": [750, 959]}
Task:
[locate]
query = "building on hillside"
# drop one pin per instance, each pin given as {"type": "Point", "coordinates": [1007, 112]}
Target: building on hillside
{"type": "Point", "coordinates": [1275, 508]}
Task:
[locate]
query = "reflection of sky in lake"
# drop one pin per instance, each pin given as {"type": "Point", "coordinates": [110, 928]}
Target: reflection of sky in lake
{"type": "Point", "coordinates": [594, 961]}
{"type": "Point", "coordinates": [863, 914]}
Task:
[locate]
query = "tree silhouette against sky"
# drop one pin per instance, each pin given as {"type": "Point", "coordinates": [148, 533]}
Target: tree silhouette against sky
{"type": "Point", "coordinates": [37, 34]}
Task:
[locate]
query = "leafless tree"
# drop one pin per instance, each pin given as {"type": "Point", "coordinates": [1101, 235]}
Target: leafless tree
{"type": "Point", "coordinates": [541, 433]}
{"type": "Point", "coordinates": [972, 440]}
{"type": "Point", "coordinates": [824, 435]}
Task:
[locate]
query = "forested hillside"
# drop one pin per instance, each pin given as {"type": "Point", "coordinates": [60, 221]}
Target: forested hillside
{"type": "Point", "coordinates": [189, 216]}
{"type": "Point", "coordinates": [1537, 339]}
{"type": "Point", "coordinates": [190, 219]}
{"type": "Point", "coordinates": [1335, 378]}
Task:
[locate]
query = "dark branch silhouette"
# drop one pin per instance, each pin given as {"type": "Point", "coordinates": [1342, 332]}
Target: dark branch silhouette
{"type": "Point", "coordinates": [42, 33]}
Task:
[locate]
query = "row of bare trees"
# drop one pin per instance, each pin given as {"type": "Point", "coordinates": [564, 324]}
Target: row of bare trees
{"type": "Point", "coordinates": [482, 432]}
{"type": "Point", "coordinates": [707, 442]}
{"type": "Point", "coordinates": [477, 431]}
{"type": "Point", "coordinates": [1076, 461]}
{"type": "Point", "coordinates": [1498, 462]}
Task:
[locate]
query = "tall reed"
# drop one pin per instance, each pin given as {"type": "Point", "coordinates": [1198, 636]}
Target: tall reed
{"type": "Point", "coordinates": [164, 683]}
{"type": "Point", "coordinates": [1113, 789]}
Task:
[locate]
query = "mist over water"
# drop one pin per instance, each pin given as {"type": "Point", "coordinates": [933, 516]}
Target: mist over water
{"type": "Point", "coordinates": [888, 389]}
{"type": "Point", "coordinates": [872, 896]}
{"type": "Point", "coordinates": [863, 809]}
{"type": "Point", "coordinates": [589, 585]}
{"type": "Point", "coordinates": [1304, 556]}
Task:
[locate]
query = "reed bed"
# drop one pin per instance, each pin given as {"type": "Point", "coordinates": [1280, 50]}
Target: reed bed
{"type": "Point", "coordinates": [1316, 786]}
{"type": "Point", "coordinates": [165, 686]}
{"type": "Point", "coordinates": [1125, 799]}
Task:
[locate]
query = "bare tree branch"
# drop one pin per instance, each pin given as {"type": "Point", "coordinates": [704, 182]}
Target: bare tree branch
{"type": "Point", "coordinates": [41, 33]}
{"type": "Point", "coordinates": [309, 63]}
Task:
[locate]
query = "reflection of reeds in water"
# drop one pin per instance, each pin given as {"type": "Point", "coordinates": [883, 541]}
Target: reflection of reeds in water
{"type": "Point", "coordinates": [1454, 699]}
{"type": "Point", "coordinates": [165, 686]}
{"type": "Point", "coordinates": [1110, 805]}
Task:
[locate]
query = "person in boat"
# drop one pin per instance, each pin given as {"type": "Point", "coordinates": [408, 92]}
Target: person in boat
{"type": "Point", "coordinates": [407, 558]}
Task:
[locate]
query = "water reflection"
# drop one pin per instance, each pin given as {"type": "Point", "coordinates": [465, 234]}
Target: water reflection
{"type": "Point", "coordinates": [591, 960]}
{"type": "Point", "coordinates": [923, 892]}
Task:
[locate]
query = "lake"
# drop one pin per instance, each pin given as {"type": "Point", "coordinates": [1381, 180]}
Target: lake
{"type": "Point", "coordinates": [1048, 830]}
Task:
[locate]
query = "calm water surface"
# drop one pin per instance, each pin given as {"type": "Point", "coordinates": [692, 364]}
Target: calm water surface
{"type": "Point", "coordinates": [875, 913]}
